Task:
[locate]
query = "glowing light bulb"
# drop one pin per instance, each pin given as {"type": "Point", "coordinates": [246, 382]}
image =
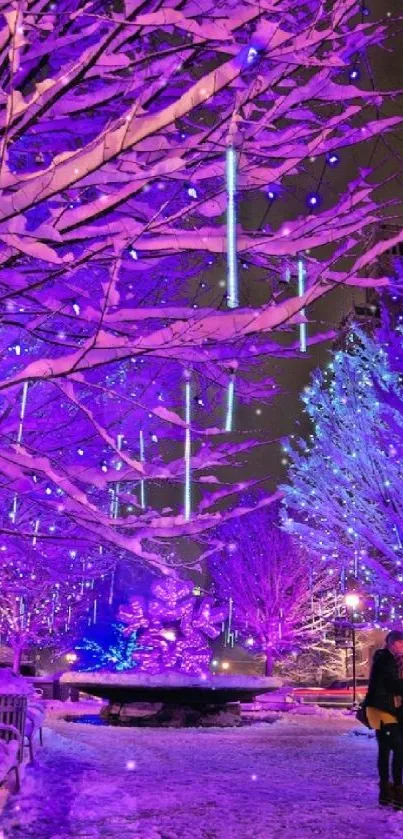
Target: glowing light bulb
{"type": "Point", "coordinates": [333, 159]}
{"type": "Point", "coordinates": [313, 200]}
{"type": "Point", "coordinates": [252, 54]}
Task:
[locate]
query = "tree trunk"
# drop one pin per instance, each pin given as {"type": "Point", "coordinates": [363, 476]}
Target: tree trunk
{"type": "Point", "coordinates": [269, 662]}
{"type": "Point", "coordinates": [17, 654]}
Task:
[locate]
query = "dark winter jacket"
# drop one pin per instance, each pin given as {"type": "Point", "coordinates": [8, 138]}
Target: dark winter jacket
{"type": "Point", "coordinates": [384, 683]}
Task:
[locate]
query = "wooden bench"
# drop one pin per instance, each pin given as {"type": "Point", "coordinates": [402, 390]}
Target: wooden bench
{"type": "Point", "coordinates": [13, 709]}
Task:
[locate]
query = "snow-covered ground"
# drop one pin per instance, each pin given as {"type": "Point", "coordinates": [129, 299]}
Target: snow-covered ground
{"type": "Point", "coordinates": [299, 778]}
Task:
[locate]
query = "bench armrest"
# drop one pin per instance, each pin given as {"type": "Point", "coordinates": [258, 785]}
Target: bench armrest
{"type": "Point", "coordinates": [12, 729]}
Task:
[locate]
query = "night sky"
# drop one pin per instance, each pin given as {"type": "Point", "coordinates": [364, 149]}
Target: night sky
{"type": "Point", "coordinates": [284, 416]}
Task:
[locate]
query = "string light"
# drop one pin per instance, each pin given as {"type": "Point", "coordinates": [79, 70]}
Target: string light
{"type": "Point", "coordinates": [333, 159]}
{"type": "Point", "coordinates": [313, 200]}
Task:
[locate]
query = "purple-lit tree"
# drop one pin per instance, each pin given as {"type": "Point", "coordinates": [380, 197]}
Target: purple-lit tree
{"type": "Point", "coordinates": [121, 352]}
{"type": "Point", "coordinates": [173, 628]}
{"type": "Point", "coordinates": [345, 494]}
{"type": "Point", "coordinates": [281, 598]}
{"type": "Point", "coordinates": [43, 596]}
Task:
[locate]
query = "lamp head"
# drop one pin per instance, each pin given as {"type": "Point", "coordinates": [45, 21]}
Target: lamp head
{"type": "Point", "coordinates": [352, 600]}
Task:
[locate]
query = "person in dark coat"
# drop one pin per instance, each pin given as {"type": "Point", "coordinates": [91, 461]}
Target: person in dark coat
{"type": "Point", "coordinates": [383, 705]}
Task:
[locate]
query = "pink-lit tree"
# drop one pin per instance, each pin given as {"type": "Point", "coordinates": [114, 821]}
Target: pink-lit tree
{"type": "Point", "coordinates": [130, 136]}
{"type": "Point", "coordinates": [173, 628]}
{"type": "Point", "coordinates": [281, 599]}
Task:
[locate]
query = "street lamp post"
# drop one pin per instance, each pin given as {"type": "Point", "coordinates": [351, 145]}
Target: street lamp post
{"type": "Point", "coordinates": [352, 601]}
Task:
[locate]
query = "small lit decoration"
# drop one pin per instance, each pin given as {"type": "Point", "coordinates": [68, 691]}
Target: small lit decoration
{"type": "Point", "coordinates": [173, 627]}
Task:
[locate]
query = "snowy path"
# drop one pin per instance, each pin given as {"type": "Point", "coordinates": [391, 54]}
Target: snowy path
{"type": "Point", "coordinates": [291, 780]}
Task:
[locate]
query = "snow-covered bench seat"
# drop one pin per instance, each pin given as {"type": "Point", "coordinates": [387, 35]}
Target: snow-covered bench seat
{"type": "Point", "coordinates": [9, 753]}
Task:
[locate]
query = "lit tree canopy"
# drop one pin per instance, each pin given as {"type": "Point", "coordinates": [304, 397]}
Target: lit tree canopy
{"type": "Point", "coordinates": [281, 601]}
{"type": "Point", "coordinates": [116, 123]}
{"type": "Point", "coordinates": [345, 493]}
{"type": "Point", "coordinates": [43, 595]}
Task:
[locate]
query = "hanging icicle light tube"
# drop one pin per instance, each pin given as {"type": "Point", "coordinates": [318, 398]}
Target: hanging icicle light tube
{"type": "Point", "coordinates": [142, 482]}
{"type": "Point", "coordinates": [301, 292]}
{"type": "Point", "coordinates": [187, 454]}
{"type": "Point", "coordinates": [232, 267]}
